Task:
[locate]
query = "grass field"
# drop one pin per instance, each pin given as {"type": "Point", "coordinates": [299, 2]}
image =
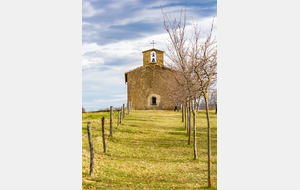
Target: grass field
{"type": "Point", "coordinates": [149, 150]}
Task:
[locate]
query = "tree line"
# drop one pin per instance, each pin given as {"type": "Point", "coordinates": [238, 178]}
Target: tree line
{"type": "Point", "coordinates": [194, 61]}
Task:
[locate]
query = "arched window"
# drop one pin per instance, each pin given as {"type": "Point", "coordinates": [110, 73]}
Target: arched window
{"type": "Point", "coordinates": [154, 100]}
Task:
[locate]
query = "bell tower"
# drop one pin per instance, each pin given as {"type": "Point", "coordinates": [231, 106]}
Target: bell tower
{"type": "Point", "coordinates": [153, 57]}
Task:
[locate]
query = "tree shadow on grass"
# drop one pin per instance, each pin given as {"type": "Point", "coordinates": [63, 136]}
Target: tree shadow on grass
{"type": "Point", "coordinates": [178, 133]}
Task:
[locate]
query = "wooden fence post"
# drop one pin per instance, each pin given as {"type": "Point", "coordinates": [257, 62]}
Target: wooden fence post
{"type": "Point", "coordinates": [111, 121]}
{"type": "Point", "coordinates": [118, 121]}
{"type": "Point", "coordinates": [128, 109]}
{"type": "Point", "coordinates": [121, 115]}
{"type": "Point", "coordinates": [123, 111]}
{"type": "Point", "coordinates": [125, 108]}
{"type": "Point", "coordinates": [91, 148]}
{"type": "Point", "coordinates": [103, 135]}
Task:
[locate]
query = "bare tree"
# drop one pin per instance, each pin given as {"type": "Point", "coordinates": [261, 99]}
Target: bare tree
{"type": "Point", "coordinates": [204, 57]}
{"type": "Point", "coordinates": [196, 65]}
{"type": "Point", "coordinates": [179, 55]}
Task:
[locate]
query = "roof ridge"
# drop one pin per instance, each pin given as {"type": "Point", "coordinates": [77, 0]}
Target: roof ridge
{"type": "Point", "coordinates": [134, 69]}
{"type": "Point", "coordinates": [153, 49]}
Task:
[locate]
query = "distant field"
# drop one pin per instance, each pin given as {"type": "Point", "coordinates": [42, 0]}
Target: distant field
{"type": "Point", "coordinates": [149, 150]}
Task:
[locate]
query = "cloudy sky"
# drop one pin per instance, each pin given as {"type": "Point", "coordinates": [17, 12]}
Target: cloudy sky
{"type": "Point", "coordinates": [114, 34]}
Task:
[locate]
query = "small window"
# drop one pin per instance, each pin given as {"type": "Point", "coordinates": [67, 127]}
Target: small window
{"type": "Point", "coordinates": [153, 101]}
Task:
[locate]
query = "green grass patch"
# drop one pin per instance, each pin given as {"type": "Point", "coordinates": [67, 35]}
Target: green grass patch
{"type": "Point", "coordinates": [149, 150]}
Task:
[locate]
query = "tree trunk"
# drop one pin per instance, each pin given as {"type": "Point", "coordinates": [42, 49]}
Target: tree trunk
{"type": "Point", "coordinates": [185, 113]}
{"type": "Point", "coordinates": [208, 142]}
{"type": "Point", "coordinates": [118, 121]}
{"type": "Point", "coordinates": [189, 126]}
{"type": "Point", "coordinates": [91, 148]}
{"type": "Point", "coordinates": [195, 142]}
{"type": "Point", "coordinates": [103, 135]}
{"type": "Point", "coordinates": [111, 121]}
{"type": "Point", "coordinates": [182, 111]}
{"type": "Point", "coordinates": [187, 119]}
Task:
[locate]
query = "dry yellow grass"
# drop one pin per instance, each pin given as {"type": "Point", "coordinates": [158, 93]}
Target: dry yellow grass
{"type": "Point", "coordinates": [149, 150]}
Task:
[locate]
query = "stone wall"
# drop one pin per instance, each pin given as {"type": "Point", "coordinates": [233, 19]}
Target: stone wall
{"type": "Point", "coordinates": [147, 82]}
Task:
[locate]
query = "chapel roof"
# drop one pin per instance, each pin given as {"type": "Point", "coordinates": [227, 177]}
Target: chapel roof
{"type": "Point", "coordinates": [133, 69]}
{"type": "Point", "coordinates": [153, 50]}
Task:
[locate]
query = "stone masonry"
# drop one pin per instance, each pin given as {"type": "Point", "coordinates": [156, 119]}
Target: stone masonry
{"type": "Point", "coordinates": [147, 86]}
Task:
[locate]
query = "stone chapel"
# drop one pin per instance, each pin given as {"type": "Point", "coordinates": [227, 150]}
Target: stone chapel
{"type": "Point", "coordinates": [148, 86]}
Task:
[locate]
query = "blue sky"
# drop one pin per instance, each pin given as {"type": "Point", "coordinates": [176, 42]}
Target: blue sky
{"type": "Point", "coordinates": [114, 34]}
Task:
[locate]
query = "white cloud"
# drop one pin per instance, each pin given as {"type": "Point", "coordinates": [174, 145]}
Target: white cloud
{"type": "Point", "coordinates": [90, 47]}
{"type": "Point", "coordinates": [88, 10]}
{"type": "Point", "coordinates": [92, 63]}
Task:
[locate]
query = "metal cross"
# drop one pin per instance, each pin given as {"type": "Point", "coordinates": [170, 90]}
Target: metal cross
{"type": "Point", "coordinates": [153, 43]}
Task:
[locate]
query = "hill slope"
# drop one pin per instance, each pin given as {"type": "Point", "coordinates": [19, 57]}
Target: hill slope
{"type": "Point", "coordinates": [149, 150]}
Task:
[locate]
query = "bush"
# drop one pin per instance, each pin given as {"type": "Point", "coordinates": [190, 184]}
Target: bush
{"type": "Point", "coordinates": [83, 110]}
